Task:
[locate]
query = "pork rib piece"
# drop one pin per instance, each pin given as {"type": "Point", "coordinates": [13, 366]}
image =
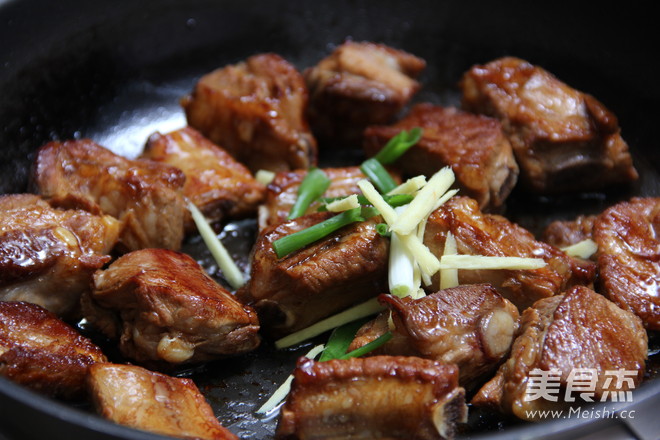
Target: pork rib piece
{"type": "Point", "coordinates": [162, 307]}
{"type": "Point", "coordinates": [40, 351]}
{"type": "Point", "coordinates": [216, 183]}
{"type": "Point", "coordinates": [358, 85]}
{"type": "Point", "coordinates": [297, 290]}
{"type": "Point", "coordinates": [255, 110]}
{"type": "Point", "coordinates": [475, 147]}
{"type": "Point", "coordinates": [564, 233]}
{"type": "Point", "coordinates": [493, 235]}
{"type": "Point", "coordinates": [581, 339]}
{"type": "Point", "coordinates": [48, 255]}
{"type": "Point", "coordinates": [628, 238]}
{"type": "Point", "coordinates": [563, 139]}
{"type": "Point", "coordinates": [470, 326]}
{"type": "Point", "coordinates": [380, 397]}
{"type": "Point", "coordinates": [144, 195]}
{"type": "Point", "coordinates": [150, 401]}
{"type": "Point", "coordinates": [282, 192]}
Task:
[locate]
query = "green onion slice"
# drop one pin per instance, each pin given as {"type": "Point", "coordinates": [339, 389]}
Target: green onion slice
{"type": "Point", "coordinates": [383, 230]}
{"type": "Point", "coordinates": [371, 346]}
{"type": "Point", "coordinates": [298, 240]}
{"type": "Point", "coordinates": [398, 145]}
{"type": "Point", "coordinates": [315, 183]}
{"type": "Point", "coordinates": [381, 179]}
{"type": "Point", "coordinates": [340, 339]}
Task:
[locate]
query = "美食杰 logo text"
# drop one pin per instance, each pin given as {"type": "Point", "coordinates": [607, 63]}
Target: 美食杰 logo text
{"type": "Point", "coordinates": [581, 386]}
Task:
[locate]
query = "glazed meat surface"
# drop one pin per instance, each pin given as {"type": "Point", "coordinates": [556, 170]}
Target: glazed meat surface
{"type": "Point", "coordinates": [144, 195]}
{"type": "Point", "coordinates": [297, 290]}
{"type": "Point", "coordinates": [628, 238]}
{"type": "Point", "coordinates": [47, 255]}
{"type": "Point", "coordinates": [142, 399]}
{"type": "Point", "coordinates": [493, 235]}
{"type": "Point", "coordinates": [380, 397]}
{"type": "Point", "coordinates": [255, 110]}
{"type": "Point", "coordinates": [563, 139]}
{"type": "Point", "coordinates": [216, 183]}
{"type": "Point", "coordinates": [563, 334]}
{"type": "Point", "coordinates": [40, 351]}
{"type": "Point", "coordinates": [282, 192]}
{"type": "Point", "coordinates": [475, 148]}
{"type": "Point", "coordinates": [469, 326]}
{"type": "Point", "coordinates": [162, 307]}
{"type": "Point", "coordinates": [358, 85]}
{"type": "Point", "coordinates": [562, 233]}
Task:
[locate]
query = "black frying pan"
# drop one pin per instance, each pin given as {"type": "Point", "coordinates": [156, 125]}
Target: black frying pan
{"type": "Point", "coordinates": [115, 70]}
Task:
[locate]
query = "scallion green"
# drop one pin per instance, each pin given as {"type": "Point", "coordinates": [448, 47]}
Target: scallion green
{"type": "Point", "coordinates": [398, 145]}
{"type": "Point", "coordinates": [341, 339]}
{"type": "Point", "coordinates": [315, 183]}
{"type": "Point", "coordinates": [378, 175]}
{"type": "Point", "coordinates": [383, 230]}
{"type": "Point", "coordinates": [369, 347]}
{"type": "Point", "coordinates": [300, 239]}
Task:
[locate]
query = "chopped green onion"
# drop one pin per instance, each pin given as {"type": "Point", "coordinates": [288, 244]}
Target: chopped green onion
{"type": "Point", "coordinates": [340, 340]}
{"type": "Point", "coordinates": [298, 240]}
{"type": "Point", "coordinates": [368, 212]}
{"type": "Point", "coordinates": [396, 200]}
{"type": "Point", "coordinates": [312, 187]}
{"type": "Point", "coordinates": [401, 271]}
{"type": "Point", "coordinates": [398, 145]}
{"type": "Point", "coordinates": [363, 310]}
{"type": "Point", "coordinates": [373, 169]}
{"type": "Point", "coordinates": [371, 346]}
{"type": "Point", "coordinates": [383, 230]}
{"type": "Point", "coordinates": [226, 264]}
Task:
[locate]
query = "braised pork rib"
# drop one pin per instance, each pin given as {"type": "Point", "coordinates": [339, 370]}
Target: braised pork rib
{"type": "Point", "coordinates": [255, 110]}
{"type": "Point", "coordinates": [145, 196]}
{"type": "Point", "coordinates": [163, 308]}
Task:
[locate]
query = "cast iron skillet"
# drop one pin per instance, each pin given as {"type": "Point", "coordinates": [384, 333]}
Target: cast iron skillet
{"type": "Point", "coordinates": [114, 71]}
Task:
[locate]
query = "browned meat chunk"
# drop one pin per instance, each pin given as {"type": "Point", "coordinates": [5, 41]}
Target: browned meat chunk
{"type": "Point", "coordinates": [381, 397]}
{"type": "Point", "coordinates": [563, 139]}
{"type": "Point", "coordinates": [493, 235]}
{"type": "Point", "coordinates": [47, 255]}
{"type": "Point", "coordinates": [475, 147]}
{"type": "Point", "coordinates": [469, 326]}
{"type": "Point", "coordinates": [40, 351]}
{"type": "Point", "coordinates": [340, 270]}
{"type": "Point", "coordinates": [282, 192]}
{"type": "Point", "coordinates": [142, 399]}
{"type": "Point", "coordinates": [628, 238]}
{"type": "Point", "coordinates": [566, 233]}
{"type": "Point", "coordinates": [358, 85]}
{"type": "Point", "coordinates": [144, 195]}
{"type": "Point", "coordinates": [216, 183]}
{"type": "Point", "coordinates": [398, 345]}
{"type": "Point", "coordinates": [163, 307]}
{"type": "Point", "coordinates": [255, 109]}
{"type": "Point", "coordinates": [579, 341]}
